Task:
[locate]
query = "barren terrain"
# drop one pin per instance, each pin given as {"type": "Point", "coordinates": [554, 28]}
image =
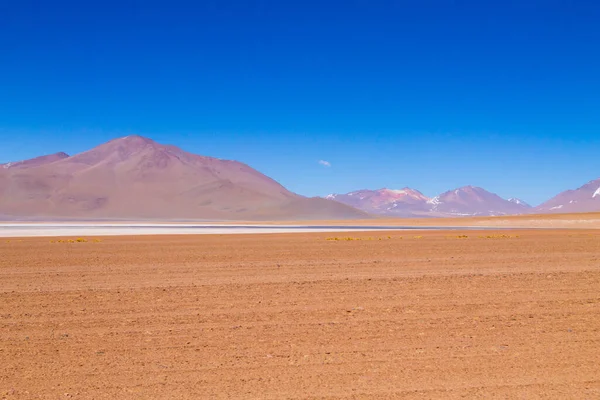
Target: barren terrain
{"type": "Point", "coordinates": [589, 220]}
{"type": "Point", "coordinates": [507, 314]}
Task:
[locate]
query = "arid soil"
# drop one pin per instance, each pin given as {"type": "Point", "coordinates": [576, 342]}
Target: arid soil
{"type": "Point", "coordinates": [552, 221]}
{"type": "Point", "coordinates": [510, 314]}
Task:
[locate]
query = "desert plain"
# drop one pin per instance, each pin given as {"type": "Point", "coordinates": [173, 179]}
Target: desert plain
{"type": "Point", "coordinates": [350, 315]}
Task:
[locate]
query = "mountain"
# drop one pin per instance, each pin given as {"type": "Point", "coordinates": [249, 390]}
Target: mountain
{"type": "Point", "coordinates": [35, 162]}
{"type": "Point", "coordinates": [464, 201]}
{"type": "Point", "coordinates": [136, 177]}
{"type": "Point", "coordinates": [472, 200]}
{"type": "Point", "coordinates": [402, 202]}
{"type": "Point", "coordinates": [519, 201]}
{"type": "Point", "coordinates": [584, 199]}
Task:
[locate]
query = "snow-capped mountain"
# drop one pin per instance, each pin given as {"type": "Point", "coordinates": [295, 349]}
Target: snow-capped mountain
{"type": "Point", "coordinates": [584, 199]}
{"type": "Point", "coordinates": [464, 201]}
{"type": "Point", "coordinates": [399, 202]}
{"type": "Point", "coordinates": [472, 200]}
{"type": "Point", "coordinates": [519, 201]}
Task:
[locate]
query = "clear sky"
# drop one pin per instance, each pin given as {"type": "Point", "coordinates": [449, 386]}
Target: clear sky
{"type": "Point", "coordinates": [427, 94]}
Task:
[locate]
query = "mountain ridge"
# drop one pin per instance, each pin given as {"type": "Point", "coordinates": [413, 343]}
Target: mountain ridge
{"type": "Point", "coordinates": [464, 201]}
{"type": "Point", "coordinates": [136, 177]}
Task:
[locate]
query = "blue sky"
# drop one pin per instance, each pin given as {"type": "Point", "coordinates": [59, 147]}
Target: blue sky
{"type": "Point", "coordinates": [427, 94]}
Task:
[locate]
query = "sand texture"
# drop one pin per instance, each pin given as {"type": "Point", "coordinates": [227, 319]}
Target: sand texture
{"type": "Point", "coordinates": [494, 315]}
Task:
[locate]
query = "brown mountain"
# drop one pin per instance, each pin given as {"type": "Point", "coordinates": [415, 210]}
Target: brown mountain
{"type": "Point", "coordinates": [584, 199]}
{"type": "Point", "coordinates": [135, 177]}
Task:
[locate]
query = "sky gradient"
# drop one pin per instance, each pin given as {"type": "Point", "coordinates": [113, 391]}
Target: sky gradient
{"type": "Point", "coordinates": [323, 96]}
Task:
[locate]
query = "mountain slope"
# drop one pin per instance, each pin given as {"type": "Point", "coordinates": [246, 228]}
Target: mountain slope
{"type": "Point", "coordinates": [135, 177]}
{"type": "Point", "coordinates": [34, 162]}
{"type": "Point", "coordinates": [584, 199]}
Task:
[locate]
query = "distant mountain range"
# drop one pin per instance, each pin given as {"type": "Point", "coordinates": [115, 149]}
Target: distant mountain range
{"type": "Point", "coordinates": [407, 202]}
{"type": "Point", "coordinates": [465, 201]}
{"type": "Point", "coordinates": [137, 178]}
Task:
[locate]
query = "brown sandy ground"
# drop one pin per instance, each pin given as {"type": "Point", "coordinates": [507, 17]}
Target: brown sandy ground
{"type": "Point", "coordinates": [413, 315]}
{"type": "Point", "coordinates": [552, 221]}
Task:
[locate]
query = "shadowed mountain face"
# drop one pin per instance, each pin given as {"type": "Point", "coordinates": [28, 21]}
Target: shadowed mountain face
{"type": "Point", "coordinates": [464, 201]}
{"type": "Point", "coordinates": [135, 177]}
{"type": "Point", "coordinates": [584, 199]}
